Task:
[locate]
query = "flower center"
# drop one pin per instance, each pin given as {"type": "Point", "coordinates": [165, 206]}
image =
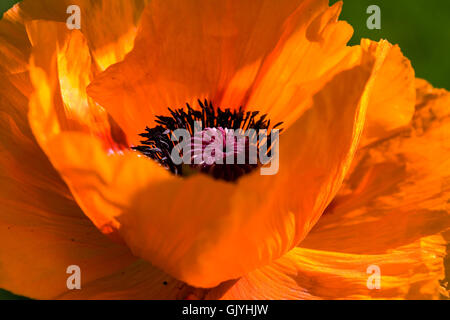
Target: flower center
{"type": "Point", "coordinates": [225, 144]}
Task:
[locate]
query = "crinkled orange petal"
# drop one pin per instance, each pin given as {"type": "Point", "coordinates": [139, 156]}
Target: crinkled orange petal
{"type": "Point", "coordinates": [137, 281]}
{"type": "Point", "coordinates": [396, 196]}
{"type": "Point", "coordinates": [74, 110]}
{"type": "Point", "coordinates": [298, 31]}
{"type": "Point", "coordinates": [63, 86]}
{"type": "Point", "coordinates": [311, 170]}
{"type": "Point", "coordinates": [93, 179]}
{"type": "Point", "coordinates": [108, 25]}
{"type": "Point", "coordinates": [398, 188]}
{"type": "Point", "coordinates": [104, 185]}
{"type": "Point", "coordinates": [42, 234]}
{"type": "Point", "coordinates": [14, 48]}
{"type": "Point", "coordinates": [392, 213]}
{"type": "Point", "coordinates": [312, 47]}
{"type": "Point", "coordinates": [193, 228]}
{"type": "Point", "coordinates": [42, 229]}
{"type": "Point", "coordinates": [104, 42]}
{"type": "Point", "coordinates": [407, 272]}
{"type": "Point", "coordinates": [189, 50]}
{"type": "Point", "coordinates": [392, 100]}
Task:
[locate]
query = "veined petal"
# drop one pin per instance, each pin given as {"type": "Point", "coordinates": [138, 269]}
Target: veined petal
{"type": "Point", "coordinates": [66, 55]}
{"type": "Point", "coordinates": [44, 232]}
{"type": "Point", "coordinates": [14, 44]}
{"type": "Point", "coordinates": [311, 170]}
{"type": "Point", "coordinates": [392, 214]}
{"type": "Point", "coordinates": [393, 98]}
{"type": "Point", "coordinates": [108, 25]}
{"type": "Point", "coordinates": [193, 50]}
{"type": "Point", "coordinates": [192, 228]}
{"type": "Point", "coordinates": [42, 229]}
{"type": "Point", "coordinates": [310, 52]}
{"type": "Point", "coordinates": [136, 281]}
{"type": "Point", "coordinates": [398, 188]}
{"type": "Point", "coordinates": [130, 194]}
{"type": "Point", "coordinates": [407, 272]}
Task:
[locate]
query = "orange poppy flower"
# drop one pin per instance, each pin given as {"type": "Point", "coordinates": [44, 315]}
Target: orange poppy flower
{"type": "Point", "coordinates": [363, 168]}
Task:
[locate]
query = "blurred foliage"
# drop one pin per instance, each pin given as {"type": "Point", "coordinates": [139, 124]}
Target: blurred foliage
{"type": "Point", "coordinates": [420, 27]}
{"type": "Point", "coordinates": [5, 5]}
{"type": "Point", "coordinates": [6, 295]}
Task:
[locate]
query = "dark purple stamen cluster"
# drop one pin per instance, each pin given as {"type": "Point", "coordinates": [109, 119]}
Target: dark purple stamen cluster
{"type": "Point", "coordinates": [158, 144]}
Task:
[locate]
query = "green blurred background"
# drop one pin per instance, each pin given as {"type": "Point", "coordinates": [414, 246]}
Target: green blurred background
{"type": "Point", "coordinates": [420, 27]}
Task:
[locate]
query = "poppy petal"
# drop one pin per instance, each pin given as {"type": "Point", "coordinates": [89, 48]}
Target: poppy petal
{"type": "Point", "coordinates": [407, 272]}
{"type": "Point", "coordinates": [191, 228]}
{"type": "Point", "coordinates": [42, 229]}
{"type": "Point", "coordinates": [390, 213]}
{"type": "Point", "coordinates": [397, 190]}
{"type": "Point", "coordinates": [312, 47]}
{"type": "Point", "coordinates": [14, 44]}
{"type": "Point", "coordinates": [137, 281]}
{"type": "Point", "coordinates": [393, 97]}
{"type": "Point", "coordinates": [66, 54]}
{"type": "Point", "coordinates": [44, 232]}
{"type": "Point", "coordinates": [189, 50]}
{"type": "Point", "coordinates": [397, 193]}
{"type": "Point", "coordinates": [39, 243]}
{"type": "Point", "coordinates": [108, 25]}
{"type": "Point", "coordinates": [311, 166]}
